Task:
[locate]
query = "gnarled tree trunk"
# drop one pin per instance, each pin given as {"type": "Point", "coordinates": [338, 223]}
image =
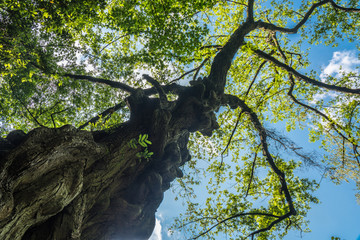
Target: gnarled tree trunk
{"type": "Point", "coordinates": [67, 183]}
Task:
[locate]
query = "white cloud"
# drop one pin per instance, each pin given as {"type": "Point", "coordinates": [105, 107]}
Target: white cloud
{"type": "Point", "coordinates": [156, 235]}
{"type": "Point", "coordinates": [341, 62]}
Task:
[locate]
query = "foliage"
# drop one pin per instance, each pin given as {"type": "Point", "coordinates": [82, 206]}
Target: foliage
{"type": "Point", "coordinates": [143, 142]}
{"type": "Point", "coordinates": [44, 44]}
{"type": "Point", "coordinates": [335, 238]}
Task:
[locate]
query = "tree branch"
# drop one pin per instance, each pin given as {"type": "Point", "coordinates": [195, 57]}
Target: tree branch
{"type": "Point", "coordinates": [255, 76]}
{"type": "Point", "coordinates": [230, 138]}
{"type": "Point", "coordinates": [343, 8]}
{"type": "Point", "coordinates": [108, 111]}
{"type": "Point", "coordinates": [113, 41]}
{"type": "Point", "coordinates": [231, 100]}
{"type": "Point", "coordinates": [272, 27]}
{"type": "Point", "coordinates": [222, 61]}
{"type": "Point", "coordinates": [197, 69]}
{"type": "Point", "coordinates": [211, 46]}
{"type": "Point", "coordinates": [263, 136]}
{"type": "Point", "coordinates": [252, 175]}
{"type": "Point", "coordinates": [171, 88]}
{"type": "Point", "coordinates": [24, 105]}
{"type": "Point", "coordinates": [110, 83]}
{"type": "Point", "coordinates": [243, 4]}
{"type": "Point", "coordinates": [277, 44]}
{"type": "Point", "coordinates": [50, 108]}
{"type": "Point", "coordinates": [283, 217]}
{"type": "Point", "coordinates": [250, 11]}
{"type": "Point", "coordinates": [159, 89]}
{"type": "Point", "coordinates": [332, 123]}
{"type": "Point", "coordinates": [183, 75]}
{"type": "Point", "coordinates": [300, 76]}
{"type": "Point", "coordinates": [52, 115]}
{"type": "Point", "coordinates": [287, 144]}
{"type": "Point", "coordinates": [235, 216]}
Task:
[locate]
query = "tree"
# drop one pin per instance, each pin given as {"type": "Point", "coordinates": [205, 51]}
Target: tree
{"type": "Point", "coordinates": [102, 145]}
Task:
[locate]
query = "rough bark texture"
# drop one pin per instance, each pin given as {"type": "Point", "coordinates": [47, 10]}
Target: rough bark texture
{"type": "Point", "coordinates": [67, 183]}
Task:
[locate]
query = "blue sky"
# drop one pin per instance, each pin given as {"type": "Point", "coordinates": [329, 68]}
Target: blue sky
{"type": "Point", "coordinates": [338, 214]}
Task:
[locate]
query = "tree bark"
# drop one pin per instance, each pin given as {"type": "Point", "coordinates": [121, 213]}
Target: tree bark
{"type": "Point", "coordinates": [67, 183]}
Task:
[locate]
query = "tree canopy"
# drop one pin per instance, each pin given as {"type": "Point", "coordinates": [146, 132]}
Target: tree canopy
{"type": "Point", "coordinates": [242, 65]}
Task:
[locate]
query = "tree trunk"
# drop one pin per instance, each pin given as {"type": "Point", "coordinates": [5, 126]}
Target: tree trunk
{"type": "Point", "coordinates": [67, 183]}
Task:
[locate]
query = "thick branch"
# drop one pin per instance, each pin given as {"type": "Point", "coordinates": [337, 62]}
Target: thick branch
{"type": "Point", "coordinates": [300, 76]}
{"type": "Point", "coordinates": [110, 83]}
{"type": "Point", "coordinates": [250, 11]}
{"type": "Point", "coordinates": [222, 61]}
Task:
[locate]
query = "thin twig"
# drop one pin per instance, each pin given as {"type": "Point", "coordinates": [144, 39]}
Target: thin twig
{"type": "Point", "coordinates": [183, 75]}
{"type": "Point", "coordinates": [46, 110]}
{"type": "Point", "coordinates": [199, 68]}
{"type": "Point", "coordinates": [116, 39]}
{"type": "Point", "coordinates": [235, 216]}
{"type": "Point", "coordinates": [108, 111]}
{"type": "Point", "coordinates": [52, 118]}
{"type": "Point", "coordinates": [252, 175]}
{"type": "Point", "coordinates": [332, 123]}
{"type": "Point", "coordinates": [24, 105]}
{"type": "Point", "coordinates": [255, 76]}
{"type": "Point", "coordinates": [230, 138]}
{"type": "Point", "coordinates": [211, 46]}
